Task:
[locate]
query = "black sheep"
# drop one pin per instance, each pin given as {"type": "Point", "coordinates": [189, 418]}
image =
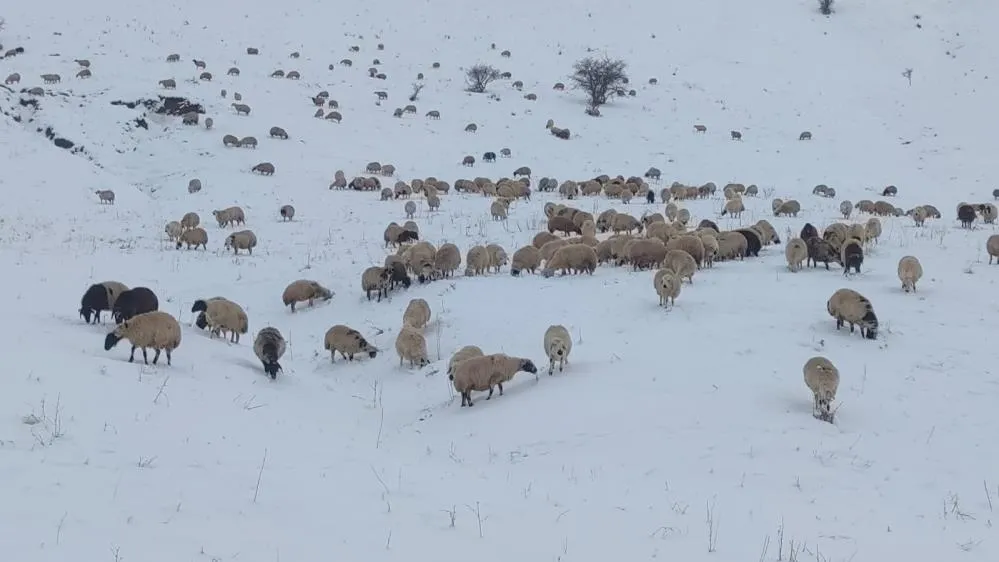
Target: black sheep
{"type": "Point", "coordinates": [890, 191]}
{"type": "Point", "coordinates": [407, 236]}
{"type": "Point", "coordinates": [134, 301]}
{"type": "Point", "coordinates": [966, 214]}
{"type": "Point", "coordinates": [201, 321]}
{"type": "Point", "coordinates": [853, 257]}
{"type": "Point", "coordinates": [820, 250]}
{"type": "Point", "coordinates": [93, 302]}
{"type": "Point", "coordinates": [809, 231]}
{"type": "Point", "coordinates": [650, 197]}
{"type": "Point", "coordinates": [489, 157]}
{"type": "Point", "coordinates": [708, 224]}
{"type": "Point", "coordinates": [399, 276]}
{"type": "Point", "coordinates": [753, 243]}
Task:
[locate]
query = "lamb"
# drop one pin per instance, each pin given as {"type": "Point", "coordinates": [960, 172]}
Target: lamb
{"type": "Point", "coordinates": [820, 250]}
{"type": "Point", "coordinates": [221, 315]}
{"type": "Point", "coordinates": [417, 314]}
{"type": "Point", "coordinates": [447, 260]}
{"type": "Point", "coordinates": [242, 240]}
{"type": "Point", "coordinates": [852, 255]}
{"type": "Point", "coordinates": [991, 247]}
{"type": "Point", "coordinates": [796, 252]}
{"type": "Point", "coordinates": [477, 261]}
{"type": "Point", "coordinates": [193, 237]}
{"type": "Point", "coordinates": [155, 329]}
{"type": "Point", "coordinates": [264, 169]}
{"type": "Point", "coordinates": [376, 279]}
{"type": "Point", "coordinates": [411, 346]}
{"type": "Point", "coordinates": [497, 256]}
{"type": "Point", "coordinates": [822, 378]}
{"type": "Point", "coordinates": [847, 305]}
{"type": "Point", "coordinates": [348, 342]}
{"type": "Point", "coordinates": [910, 271]}
{"type": "Point", "coordinates": [467, 352]}
{"type": "Point", "coordinates": [644, 254]}
{"type": "Point", "coordinates": [690, 244]}
{"type": "Point", "coordinates": [564, 225]}
{"type": "Point", "coordinates": [304, 290]}
{"type": "Point", "coordinates": [287, 212]}
{"type": "Point", "coordinates": [558, 345]}
{"type": "Point", "coordinates": [667, 286]}
{"type": "Point", "coordinates": [100, 297]}
{"type": "Point", "coordinates": [228, 216]}
{"type": "Point", "coordinates": [106, 196]}
{"type": "Point", "coordinates": [483, 373]}
{"type": "Point", "coordinates": [682, 264]}
{"type": "Point", "coordinates": [529, 258]}
{"type": "Point", "coordinates": [269, 346]}
{"type": "Point", "coordinates": [133, 302]}
{"type": "Point", "coordinates": [576, 258]}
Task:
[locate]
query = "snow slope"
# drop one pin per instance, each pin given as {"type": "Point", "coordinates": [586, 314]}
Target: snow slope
{"type": "Point", "coordinates": [684, 435]}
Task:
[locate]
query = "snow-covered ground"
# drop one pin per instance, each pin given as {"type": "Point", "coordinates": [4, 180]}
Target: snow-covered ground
{"type": "Point", "coordinates": [680, 435]}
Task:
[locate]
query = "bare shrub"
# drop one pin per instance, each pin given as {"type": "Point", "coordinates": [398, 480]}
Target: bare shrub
{"type": "Point", "coordinates": [417, 88]}
{"type": "Point", "coordinates": [479, 76]}
{"type": "Point", "coordinates": [601, 79]}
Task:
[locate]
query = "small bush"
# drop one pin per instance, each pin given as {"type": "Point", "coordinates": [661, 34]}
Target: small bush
{"type": "Point", "coordinates": [601, 79]}
{"type": "Point", "coordinates": [825, 7]}
{"type": "Point", "coordinates": [479, 76]}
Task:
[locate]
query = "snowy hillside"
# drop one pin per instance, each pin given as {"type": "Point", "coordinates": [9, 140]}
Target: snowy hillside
{"type": "Point", "coordinates": [684, 434]}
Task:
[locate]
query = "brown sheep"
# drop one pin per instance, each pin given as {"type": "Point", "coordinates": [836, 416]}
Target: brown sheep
{"type": "Point", "coordinates": [575, 258]}
{"type": "Point", "coordinates": [563, 225]}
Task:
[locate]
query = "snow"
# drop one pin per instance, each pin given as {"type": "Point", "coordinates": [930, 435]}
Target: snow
{"type": "Point", "coordinates": [683, 435]}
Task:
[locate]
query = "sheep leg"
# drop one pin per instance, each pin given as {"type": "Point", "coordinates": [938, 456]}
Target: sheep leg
{"type": "Point", "coordinates": [500, 385]}
{"type": "Point", "coordinates": [551, 367]}
{"type": "Point", "coordinates": [131, 356]}
{"type": "Point", "coordinates": [490, 393]}
{"type": "Point", "coordinates": [156, 356]}
{"type": "Point", "coordinates": [145, 356]}
{"type": "Point", "coordinates": [169, 356]}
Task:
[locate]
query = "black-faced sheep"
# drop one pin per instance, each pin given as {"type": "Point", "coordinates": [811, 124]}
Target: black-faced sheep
{"type": "Point", "coordinates": [481, 374]}
{"type": "Point", "coordinates": [269, 346]}
{"type": "Point", "coordinates": [851, 255]}
{"type": "Point", "coordinates": [558, 345]}
{"type": "Point", "coordinates": [849, 306]}
{"type": "Point", "coordinates": [193, 237]}
{"type": "Point", "coordinates": [529, 258]}
{"type": "Point", "coordinates": [822, 378]}
{"type": "Point", "coordinates": [100, 297]}
{"type": "Point", "coordinates": [221, 315]}
{"type": "Point", "coordinates": [910, 271]}
{"type": "Point", "coordinates": [820, 250]}
{"type": "Point", "coordinates": [157, 330]}
{"type": "Point", "coordinates": [808, 231]}
{"type": "Point", "coordinates": [348, 342]}
{"type": "Point", "coordinates": [376, 279]}
{"type": "Point", "coordinates": [134, 301]}
{"type": "Point", "coordinates": [411, 346]}
{"type": "Point", "coordinates": [398, 276]}
{"type": "Point", "coordinates": [305, 290]}
{"type": "Point", "coordinates": [753, 242]}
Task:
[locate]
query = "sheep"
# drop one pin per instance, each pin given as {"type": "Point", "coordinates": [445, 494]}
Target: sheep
{"type": "Point", "coordinates": [411, 346]}
{"type": "Point", "coordinates": [667, 286]}
{"type": "Point", "coordinates": [135, 301]}
{"type": "Point", "coordinates": [476, 261]}
{"type": "Point", "coordinates": [410, 209]}
{"type": "Point", "coordinates": [733, 207]}
{"type": "Point", "coordinates": [711, 247]}
{"type": "Point", "coordinates": [248, 142]}
{"type": "Point", "coordinates": [497, 256]}
{"type": "Point", "coordinates": [269, 346]}
{"type": "Point", "coordinates": [498, 209]}
{"type": "Point", "coordinates": [100, 297]}
{"type": "Point", "coordinates": [173, 230]}
{"type": "Point", "coordinates": [731, 245]}
{"type": "Point", "coordinates": [417, 314]}
{"type": "Point", "coordinates": [992, 248]}
{"type": "Point", "coordinates": [287, 212]}
{"type": "Point", "coordinates": [529, 258]}
{"type": "Point", "coordinates": [14, 78]}
{"type": "Point", "coordinates": [851, 255]}
{"type": "Point", "coordinates": [847, 305]}
{"type": "Point", "coordinates": [154, 329]}
{"type": "Point", "coordinates": [242, 240]}
{"type": "Point", "coordinates": [753, 241]}
{"type": "Point", "coordinates": [845, 209]}
{"type": "Point", "coordinates": [467, 352]}
{"type": "Point", "coordinates": [558, 345]}
{"type": "Point", "coordinates": [690, 244]}
{"type": "Point", "coordinates": [387, 194]}
{"type": "Point", "coordinates": [397, 275]}
{"type": "Point", "coordinates": [790, 207]}
{"type": "Point", "coordinates": [836, 234]}
{"type": "Point", "coordinates": [681, 263]}
{"type": "Point", "coordinates": [563, 225]}
{"type": "Point", "coordinates": [190, 118]}
{"type": "Point", "coordinates": [822, 378]}
{"type": "Point", "coordinates": [264, 169]}
{"type": "Point", "coordinates": [376, 279]}
{"type": "Point", "coordinates": [988, 212]}
{"type": "Point", "coordinates": [304, 290]}
{"type": "Point", "coordinates": [221, 315]}
{"type": "Point", "coordinates": [279, 133]}
{"type": "Point", "coordinates": [241, 108]}
{"type": "Point", "coordinates": [768, 231]}
{"type": "Point", "coordinates": [422, 257]}
{"type": "Point", "coordinates": [808, 231]}
{"type": "Point", "coordinates": [576, 258]}
{"type": "Point", "coordinates": [796, 252]}
{"type": "Point", "coordinates": [644, 254]}
{"type": "Point", "coordinates": [106, 196]}
{"type": "Point", "coordinates": [483, 373]}
{"type": "Point", "coordinates": [348, 342]}
{"type": "Point", "coordinates": [872, 230]}
{"type": "Point", "coordinates": [447, 260]}
{"type": "Point", "coordinates": [820, 250]}
{"type": "Point", "coordinates": [193, 237]}
{"type": "Point", "coordinates": [194, 186]}
{"type": "Point", "coordinates": [890, 191]}
{"type": "Point", "coordinates": [910, 271]}
{"type": "Point", "coordinates": [168, 84]}
{"type": "Point", "coordinates": [230, 215]}
{"type": "Point", "coordinates": [622, 222]}
{"type": "Point", "coordinates": [230, 140]}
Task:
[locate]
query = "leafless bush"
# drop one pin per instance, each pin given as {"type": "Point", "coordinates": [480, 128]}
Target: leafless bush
{"type": "Point", "coordinates": [417, 88]}
{"type": "Point", "coordinates": [479, 76]}
{"type": "Point", "coordinates": [601, 79]}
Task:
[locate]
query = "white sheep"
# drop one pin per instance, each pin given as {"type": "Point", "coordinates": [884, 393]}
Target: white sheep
{"type": "Point", "coordinates": [157, 329]}
{"type": "Point", "coordinates": [910, 271]}
{"type": "Point", "coordinates": [174, 230]}
{"type": "Point", "coordinates": [796, 252]}
{"type": "Point", "coordinates": [466, 352]}
{"type": "Point", "coordinates": [483, 373]}
{"type": "Point", "coordinates": [822, 378]}
{"type": "Point", "coordinates": [558, 345]}
{"type": "Point", "coordinates": [221, 315]}
{"type": "Point", "coordinates": [348, 342]}
{"type": "Point", "coordinates": [417, 314]}
{"type": "Point", "coordinates": [411, 346]}
{"type": "Point", "coordinates": [667, 286]}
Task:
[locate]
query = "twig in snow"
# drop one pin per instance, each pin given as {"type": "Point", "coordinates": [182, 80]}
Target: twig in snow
{"type": "Point", "coordinates": [159, 392]}
{"type": "Point", "coordinates": [260, 474]}
{"type": "Point", "coordinates": [478, 516]}
{"type": "Point", "coordinates": [385, 489]}
{"type": "Point", "coordinates": [988, 495]}
{"type": "Point", "coordinates": [452, 515]}
{"type": "Point", "coordinates": [712, 526]}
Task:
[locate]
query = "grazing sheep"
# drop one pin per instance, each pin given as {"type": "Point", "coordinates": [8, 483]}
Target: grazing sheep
{"type": "Point", "coordinates": [230, 140]}
{"type": "Point", "coordinates": [753, 241]}
{"type": "Point", "coordinates": [106, 196]}
{"type": "Point", "coordinates": [304, 290]}
{"type": "Point", "coordinates": [711, 247]}
{"type": "Point", "coordinates": [851, 255]}
{"type": "Point", "coordinates": [334, 116]}
{"type": "Point", "coordinates": [278, 133]}
{"type": "Point", "coordinates": [248, 142]}
{"type": "Point", "coordinates": [808, 231]}
{"type": "Point", "coordinates": [845, 209]}
{"type": "Point", "coordinates": [467, 352]}
{"type": "Point", "coordinates": [731, 245]}
{"type": "Point", "coordinates": [654, 174]}
{"type": "Point", "coordinates": [229, 216]}
{"type": "Point", "coordinates": [483, 373]}
{"type": "Point", "coordinates": [522, 171]}
{"type": "Point", "coordinates": [992, 248]}
{"type": "Point", "coordinates": [564, 225]}
{"type": "Point", "coordinates": [822, 378]}
{"type": "Point", "coordinates": [241, 240]}
{"type": "Point", "coordinates": [190, 118]}
{"type": "Point", "coordinates": [690, 244]}
{"type": "Point", "coordinates": [287, 212]}
{"type": "Point", "coordinates": [173, 58]}
{"type": "Point", "coordinates": [241, 108]}
{"type": "Point", "coordinates": [820, 250]}
{"type": "Point", "coordinates": [100, 297]}
{"type": "Point", "coordinates": [790, 207]}
{"type": "Point", "coordinates": [498, 209]}
{"type": "Point", "coordinates": [174, 230]}
{"type": "Point", "coordinates": [476, 261]}
{"type": "Point", "coordinates": [768, 232]}
{"type": "Point", "coordinates": [667, 286]}
{"type": "Point", "coordinates": [221, 315]}
{"type": "Point", "coordinates": [574, 258]}
{"type": "Point", "coordinates": [14, 78]}
{"type": "Point", "coordinates": [155, 329]}
{"type": "Point", "coordinates": [269, 346]}
{"type": "Point", "coordinates": [890, 191]}
{"type": "Point", "coordinates": [796, 252]}
{"type": "Point", "coordinates": [85, 73]}
{"type": "Point", "coordinates": [447, 260]}
{"type": "Point", "coordinates": [736, 135]}
{"type": "Point", "coordinates": [529, 258]}
{"type": "Point", "coordinates": [910, 271]}
{"type": "Point", "coordinates": [193, 237]}
{"type": "Point", "coordinates": [417, 314]}
{"type": "Point", "coordinates": [623, 222]}
{"type": "Point", "coordinates": [410, 209]}
{"type": "Point", "coordinates": [376, 279]}
{"type": "Point", "coordinates": [733, 207]}
{"type": "Point", "coordinates": [168, 84]}
{"type": "Point", "coordinates": [643, 253]}
{"type": "Point", "coordinates": [805, 135]}
{"type": "Point", "coordinates": [411, 346]}
{"type": "Point", "coordinates": [681, 263]}
{"type": "Point", "coordinates": [433, 202]}
{"type": "Point", "coordinates": [497, 256]}
{"type": "Point", "coordinates": [194, 185]}
{"type": "Point", "coordinates": [348, 342]}
{"type": "Point", "coordinates": [847, 305]}
{"type": "Point", "coordinates": [558, 345]}
{"type": "Point", "coordinates": [872, 230]}
{"type": "Point", "coordinates": [398, 275]}
{"type": "Point", "coordinates": [264, 169]}
{"type": "Point", "coordinates": [135, 301]}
